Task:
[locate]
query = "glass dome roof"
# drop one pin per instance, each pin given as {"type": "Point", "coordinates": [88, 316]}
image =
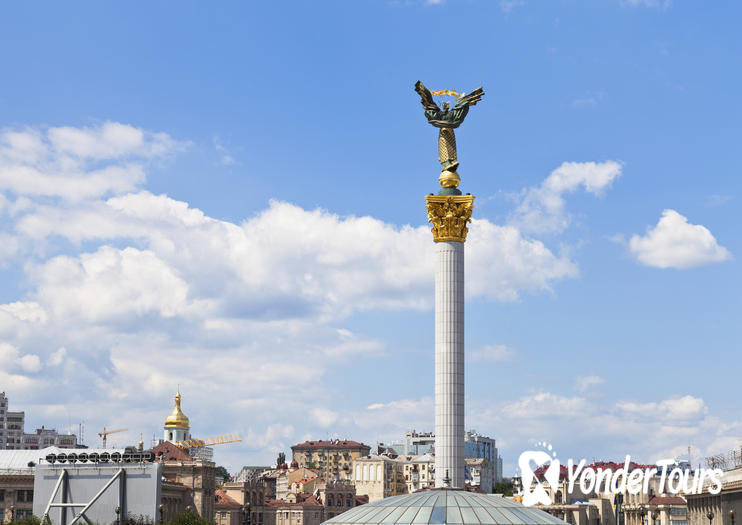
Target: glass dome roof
{"type": "Point", "coordinates": [444, 506]}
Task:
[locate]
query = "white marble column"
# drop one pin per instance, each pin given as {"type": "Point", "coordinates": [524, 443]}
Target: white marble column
{"type": "Point", "coordinates": [449, 363]}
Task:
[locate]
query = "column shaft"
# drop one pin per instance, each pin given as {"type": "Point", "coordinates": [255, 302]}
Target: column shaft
{"type": "Point", "coordinates": [449, 363]}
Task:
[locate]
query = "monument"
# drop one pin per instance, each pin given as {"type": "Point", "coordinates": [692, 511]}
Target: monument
{"type": "Point", "coordinates": [449, 212]}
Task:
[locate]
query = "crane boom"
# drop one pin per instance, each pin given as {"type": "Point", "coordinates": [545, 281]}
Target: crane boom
{"type": "Point", "coordinates": [217, 440]}
{"type": "Point", "coordinates": [105, 433]}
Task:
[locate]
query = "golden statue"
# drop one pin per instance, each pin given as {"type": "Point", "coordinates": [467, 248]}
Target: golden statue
{"type": "Point", "coordinates": [447, 120]}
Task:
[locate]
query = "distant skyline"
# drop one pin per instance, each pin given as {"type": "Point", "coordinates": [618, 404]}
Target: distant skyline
{"type": "Point", "coordinates": [231, 198]}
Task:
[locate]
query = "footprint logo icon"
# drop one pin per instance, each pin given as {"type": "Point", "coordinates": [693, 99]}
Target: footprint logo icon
{"type": "Point", "coordinates": [537, 493]}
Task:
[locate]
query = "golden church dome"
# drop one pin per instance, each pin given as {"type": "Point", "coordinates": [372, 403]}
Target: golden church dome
{"type": "Point", "coordinates": [177, 419]}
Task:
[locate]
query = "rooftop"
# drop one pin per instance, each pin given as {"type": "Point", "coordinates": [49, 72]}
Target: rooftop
{"type": "Point", "coordinates": [334, 443]}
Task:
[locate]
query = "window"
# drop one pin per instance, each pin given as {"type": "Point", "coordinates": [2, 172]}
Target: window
{"type": "Point", "coordinates": [677, 511]}
{"type": "Point", "coordinates": [2, 495]}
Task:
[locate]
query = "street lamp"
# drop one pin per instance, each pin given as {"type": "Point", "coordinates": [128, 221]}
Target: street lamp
{"type": "Point", "coordinates": [731, 516]}
{"type": "Point", "coordinates": [12, 513]}
{"type": "Point", "coordinates": [161, 508]}
{"type": "Point", "coordinates": [642, 512]}
{"type": "Point", "coordinates": [117, 510]}
{"type": "Point", "coordinates": [655, 515]}
{"type": "Point", "coordinates": [710, 516]}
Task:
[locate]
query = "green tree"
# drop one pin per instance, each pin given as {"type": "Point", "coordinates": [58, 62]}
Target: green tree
{"type": "Point", "coordinates": [31, 520]}
{"type": "Point", "coordinates": [281, 459]}
{"type": "Point", "coordinates": [503, 488]}
{"type": "Point", "coordinates": [189, 518]}
{"type": "Point", "coordinates": [223, 473]}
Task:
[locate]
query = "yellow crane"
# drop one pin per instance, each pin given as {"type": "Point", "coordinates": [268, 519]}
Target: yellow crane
{"type": "Point", "coordinates": [217, 440]}
{"type": "Point", "coordinates": [105, 433]}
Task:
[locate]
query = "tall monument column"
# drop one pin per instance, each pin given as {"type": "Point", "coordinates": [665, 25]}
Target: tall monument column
{"type": "Point", "coordinates": [449, 212]}
{"type": "Point", "coordinates": [449, 215]}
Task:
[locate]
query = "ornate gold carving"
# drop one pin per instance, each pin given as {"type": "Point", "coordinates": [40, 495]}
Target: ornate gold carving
{"type": "Point", "coordinates": [449, 215]}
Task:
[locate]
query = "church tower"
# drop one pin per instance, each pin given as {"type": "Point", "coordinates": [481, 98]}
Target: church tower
{"type": "Point", "coordinates": [177, 425]}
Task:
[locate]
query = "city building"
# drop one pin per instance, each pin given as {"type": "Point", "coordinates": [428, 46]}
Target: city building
{"type": "Point", "coordinates": [249, 472]}
{"type": "Point", "coordinates": [330, 459]}
{"type": "Point", "coordinates": [228, 511]}
{"type": "Point", "coordinates": [475, 446]}
{"type": "Point", "coordinates": [16, 484]}
{"type": "Point", "coordinates": [379, 477]}
{"type": "Point", "coordinates": [478, 446]}
{"type": "Point", "coordinates": [198, 476]}
{"type": "Point", "coordinates": [480, 473]}
{"type": "Point", "coordinates": [297, 509]}
{"type": "Point", "coordinates": [13, 436]}
{"type": "Point", "coordinates": [337, 497]}
{"type": "Point", "coordinates": [419, 471]}
{"type": "Point", "coordinates": [724, 508]}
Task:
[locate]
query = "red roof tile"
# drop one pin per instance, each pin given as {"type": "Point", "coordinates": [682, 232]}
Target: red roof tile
{"type": "Point", "coordinates": [667, 500]}
{"type": "Point", "coordinates": [223, 500]}
{"type": "Point", "coordinates": [335, 443]}
{"type": "Point", "coordinates": [170, 452]}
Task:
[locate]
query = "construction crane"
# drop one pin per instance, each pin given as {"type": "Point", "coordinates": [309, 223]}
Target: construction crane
{"type": "Point", "coordinates": [197, 443]}
{"type": "Point", "coordinates": [105, 433]}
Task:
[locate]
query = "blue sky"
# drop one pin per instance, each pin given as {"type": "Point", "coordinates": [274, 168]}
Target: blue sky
{"type": "Point", "coordinates": [230, 198]}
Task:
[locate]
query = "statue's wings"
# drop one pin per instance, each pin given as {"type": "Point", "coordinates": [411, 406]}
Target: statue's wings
{"type": "Point", "coordinates": [426, 97]}
{"type": "Point", "coordinates": [471, 99]}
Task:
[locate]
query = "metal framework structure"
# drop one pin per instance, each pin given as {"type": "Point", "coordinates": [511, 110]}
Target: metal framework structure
{"type": "Point", "coordinates": [62, 483]}
{"type": "Point", "coordinates": [728, 461]}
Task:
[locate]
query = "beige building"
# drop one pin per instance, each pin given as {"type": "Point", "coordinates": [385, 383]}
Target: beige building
{"type": "Point", "coordinates": [297, 509]}
{"type": "Point", "coordinates": [196, 475]}
{"type": "Point", "coordinates": [16, 494]}
{"type": "Point", "coordinates": [330, 459]}
{"type": "Point", "coordinates": [337, 497]}
{"type": "Point", "coordinates": [228, 511]}
{"type": "Point", "coordinates": [419, 471]}
{"type": "Point", "coordinates": [379, 476]}
{"type": "Point", "coordinates": [726, 507]}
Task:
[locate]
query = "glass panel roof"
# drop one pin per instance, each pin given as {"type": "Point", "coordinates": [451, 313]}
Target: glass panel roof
{"type": "Point", "coordinates": [444, 506]}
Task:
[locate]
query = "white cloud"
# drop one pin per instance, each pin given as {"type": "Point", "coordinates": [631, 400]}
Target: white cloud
{"type": "Point", "coordinates": [25, 311]}
{"type": "Point", "coordinates": [324, 417]}
{"type": "Point", "coordinates": [675, 243]}
{"type": "Point", "coordinates": [30, 363]}
{"type": "Point", "coordinates": [11, 358]}
{"type": "Point", "coordinates": [57, 358]}
{"type": "Point", "coordinates": [78, 163]}
{"type": "Point", "coordinates": [492, 353]}
{"type": "Point", "coordinates": [542, 208]}
{"type": "Point", "coordinates": [546, 405]}
{"type": "Point", "coordinates": [584, 383]}
{"type": "Point", "coordinates": [110, 284]}
{"type": "Point", "coordinates": [682, 408]}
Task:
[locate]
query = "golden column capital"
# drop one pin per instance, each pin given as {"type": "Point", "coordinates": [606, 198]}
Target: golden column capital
{"type": "Point", "coordinates": [449, 214]}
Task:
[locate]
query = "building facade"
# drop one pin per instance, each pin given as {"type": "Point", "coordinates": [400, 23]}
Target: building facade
{"type": "Point", "coordinates": [379, 477]}
{"type": "Point", "coordinates": [725, 507]}
{"type": "Point", "coordinates": [329, 459]}
{"type": "Point", "coordinates": [419, 471]}
{"type": "Point", "coordinates": [198, 476]}
{"type": "Point", "coordinates": [480, 473]}
{"type": "Point", "coordinates": [13, 436]}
